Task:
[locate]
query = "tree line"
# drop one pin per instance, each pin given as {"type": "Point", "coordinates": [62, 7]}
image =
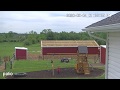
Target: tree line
{"type": "Point", "coordinates": [33, 37]}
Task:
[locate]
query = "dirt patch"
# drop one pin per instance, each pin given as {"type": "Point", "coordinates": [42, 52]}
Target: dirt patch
{"type": "Point", "coordinates": [34, 56]}
{"type": "Point", "coordinates": [2, 67]}
{"type": "Point", "coordinates": [64, 73]}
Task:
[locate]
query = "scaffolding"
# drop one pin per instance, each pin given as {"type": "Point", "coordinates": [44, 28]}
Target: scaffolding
{"type": "Point", "coordinates": [82, 65]}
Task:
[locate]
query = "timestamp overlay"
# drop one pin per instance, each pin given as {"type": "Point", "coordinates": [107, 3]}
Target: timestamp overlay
{"type": "Point", "coordinates": [87, 15]}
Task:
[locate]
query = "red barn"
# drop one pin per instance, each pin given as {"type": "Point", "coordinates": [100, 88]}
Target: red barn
{"type": "Point", "coordinates": [102, 54]}
{"type": "Point", "coordinates": [67, 47]}
{"type": "Point", "coordinates": [20, 53]}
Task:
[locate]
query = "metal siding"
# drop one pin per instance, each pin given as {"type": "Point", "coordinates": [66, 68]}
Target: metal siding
{"type": "Point", "coordinates": [117, 74]}
{"type": "Point", "coordinates": [103, 55]}
{"type": "Point", "coordinates": [114, 55]}
{"type": "Point", "coordinates": [21, 54]}
{"type": "Point", "coordinates": [114, 64]}
{"type": "Point", "coordinates": [46, 50]}
{"type": "Point", "coordinates": [115, 59]}
{"type": "Point", "coordinates": [117, 55]}
{"type": "Point", "coordinates": [117, 69]}
{"type": "Point", "coordinates": [59, 50]}
{"type": "Point", "coordinates": [112, 76]}
{"type": "Point", "coordinates": [114, 50]}
{"type": "Point", "coordinates": [93, 50]}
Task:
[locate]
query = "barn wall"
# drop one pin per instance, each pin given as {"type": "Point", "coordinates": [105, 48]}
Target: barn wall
{"type": "Point", "coordinates": [113, 63]}
{"type": "Point", "coordinates": [102, 55]}
{"type": "Point", "coordinates": [48, 50]}
{"type": "Point", "coordinates": [93, 50]}
{"type": "Point", "coordinates": [21, 54]}
{"type": "Point", "coordinates": [67, 50]}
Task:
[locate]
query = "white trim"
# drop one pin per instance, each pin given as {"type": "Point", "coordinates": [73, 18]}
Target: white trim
{"type": "Point", "coordinates": [21, 48]}
{"type": "Point", "coordinates": [107, 52]}
{"type": "Point", "coordinates": [95, 36]}
{"type": "Point", "coordinates": [104, 28]}
{"type": "Point", "coordinates": [104, 46]}
{"type": "Point", "coordinates": [96, 43]}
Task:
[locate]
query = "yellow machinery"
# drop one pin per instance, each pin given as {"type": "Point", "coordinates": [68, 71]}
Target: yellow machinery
{"type": "Point", "coordinates": [82, 65]}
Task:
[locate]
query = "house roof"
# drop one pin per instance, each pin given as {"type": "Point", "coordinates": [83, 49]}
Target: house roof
{"type": "Point", "coordinates": [107, 21]}
{"type": "Point", "coordinates": [68, 43]}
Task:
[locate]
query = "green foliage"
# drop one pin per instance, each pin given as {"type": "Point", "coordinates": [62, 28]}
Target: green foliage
{"type": "Point", "coordinates": [47, 34]}
{"type": "Point", "coordinates": [27, 42]}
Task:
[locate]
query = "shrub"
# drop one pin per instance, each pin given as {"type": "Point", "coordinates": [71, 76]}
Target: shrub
{"type": "Point", "coordinates": [27, 42]}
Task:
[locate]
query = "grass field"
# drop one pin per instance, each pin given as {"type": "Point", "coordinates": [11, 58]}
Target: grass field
{"type": "Point", "coordinates": [37, 65]}
{"type": "Point", "coordinates": [8, 48]}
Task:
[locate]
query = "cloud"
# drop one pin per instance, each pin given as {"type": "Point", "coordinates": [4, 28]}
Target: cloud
{"type": "Point", "coordinates": [25, 21]}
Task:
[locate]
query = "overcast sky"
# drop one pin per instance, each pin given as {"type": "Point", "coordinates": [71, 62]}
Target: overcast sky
{"type": "Point", "coordinates": [58, 21]}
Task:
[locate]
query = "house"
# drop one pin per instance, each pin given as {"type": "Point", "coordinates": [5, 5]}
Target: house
{"type": "Point", "coordinates": [110, 25]}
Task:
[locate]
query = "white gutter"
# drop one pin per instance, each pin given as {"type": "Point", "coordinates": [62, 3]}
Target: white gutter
{"type": "Point", "coordinates": [104, 28]}
{"type": "Point", "coordinates": [107, 57]}
{"type": "Point", "coordinates": [96, 36]}
{"type": "Point", "coordinates": [106, 63]}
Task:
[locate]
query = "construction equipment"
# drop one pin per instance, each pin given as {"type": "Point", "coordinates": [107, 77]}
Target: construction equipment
{"type": "Point", "coordinates": [82, 65]}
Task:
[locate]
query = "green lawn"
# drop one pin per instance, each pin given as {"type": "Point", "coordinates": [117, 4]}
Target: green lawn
{"type": "Point", "coordinates": [8, 48]}
{"type": "Point", "coordinates": [37, 65]}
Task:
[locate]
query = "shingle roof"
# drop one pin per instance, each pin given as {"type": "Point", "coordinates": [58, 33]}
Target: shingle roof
{"type": "Point", "coordinates": [68, 43]}
{"type": "Point", "coordinates": [110, 20]}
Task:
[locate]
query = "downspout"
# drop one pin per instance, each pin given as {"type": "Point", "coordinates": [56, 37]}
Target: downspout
{"type": "Point", "coordinates": [106, 65]}
{"type": "Point", "coordinates": [96, 36]}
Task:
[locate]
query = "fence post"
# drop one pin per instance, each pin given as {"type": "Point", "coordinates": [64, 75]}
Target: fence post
{"type": "Point", "coordinates": [5, 65]}
{"type": "Point", "coordinates": [0, 59]}
{"type": "Point", "coordinates": [10, 64]}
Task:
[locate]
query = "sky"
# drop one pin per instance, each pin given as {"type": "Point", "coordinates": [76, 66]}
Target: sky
{"type": "Point", "coordinates": [57, 21]}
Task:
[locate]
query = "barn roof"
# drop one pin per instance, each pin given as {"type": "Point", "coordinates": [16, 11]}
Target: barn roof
{"type": "Point", "coordinates": [21, 48]}
{"type": "Point", "coordinates": [68, 43]}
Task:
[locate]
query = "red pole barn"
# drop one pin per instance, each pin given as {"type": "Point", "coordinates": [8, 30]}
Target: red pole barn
{"type": "Point", "coordinates": [20, 53]}
{"type": "Point", "coordinates": [102, 54]}
{"type": "Point", "coordinates": [66, 48]}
